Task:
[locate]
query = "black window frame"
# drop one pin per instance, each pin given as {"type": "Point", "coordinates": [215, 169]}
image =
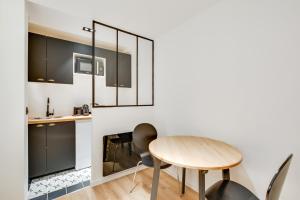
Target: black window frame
{"type": "Point", "coordinates": [96, 105]}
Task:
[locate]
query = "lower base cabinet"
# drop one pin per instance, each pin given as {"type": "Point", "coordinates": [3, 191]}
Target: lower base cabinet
{"type": "Point", "coordinates": [37, 155]}
{"type": "Point", "coordinates": [51, 148]}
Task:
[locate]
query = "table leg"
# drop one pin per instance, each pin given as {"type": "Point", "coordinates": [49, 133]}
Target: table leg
{"type": "Point", "coordinates": [155, 179]}
{"type": "Point", "coordinates": [202, 184]}
{"type": "Point", "coordinates": [183, 181]}
{"type": "Point", "coordinates": [226, 174]}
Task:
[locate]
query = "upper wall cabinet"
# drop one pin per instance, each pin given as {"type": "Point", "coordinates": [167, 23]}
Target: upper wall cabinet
{"type": "Point", "coordinates": [124, 73]}
{"type": "Point", "coordinates": [83, 49]}
{"type": "Point", "coordinates": [49, 59]}
{"type": "Point", "coordinates": [59, 61]}
{"type": "Point", "coordinates": [37, 56]}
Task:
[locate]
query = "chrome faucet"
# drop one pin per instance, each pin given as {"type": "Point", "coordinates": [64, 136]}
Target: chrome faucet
{"type": "Point", "coordinates": [48, 114]}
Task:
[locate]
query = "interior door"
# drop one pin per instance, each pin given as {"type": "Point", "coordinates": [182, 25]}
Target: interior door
{"type": "Point", "coordinates": [60, 146]}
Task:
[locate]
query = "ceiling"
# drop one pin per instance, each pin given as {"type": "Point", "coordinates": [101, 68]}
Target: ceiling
{"type": "Point", "coordinates": [145, 17]}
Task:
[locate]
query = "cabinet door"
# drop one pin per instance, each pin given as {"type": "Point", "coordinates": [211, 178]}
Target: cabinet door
{"type": "Point", "coordinates": [110, 67]}
{"type": "Point", "coordinates": [82, 49]}
{"type": "Point", "coordinates": [111, 74]}
{"type": "Point", "coordinates": [124, 72]}
{"type": "Point", "coordinates": [36, 57]}
{"type": "Point", "coordinates": [60, 146]}
{"type": "Point", "coordinates": [37, 150]}
{"type": "Point", "coordinates": [59, 61]}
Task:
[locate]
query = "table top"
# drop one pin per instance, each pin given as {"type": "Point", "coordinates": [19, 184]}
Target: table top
{"type": "Point", "coordinates": [195, 152]}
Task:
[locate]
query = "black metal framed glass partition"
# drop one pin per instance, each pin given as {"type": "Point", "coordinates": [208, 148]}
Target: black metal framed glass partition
{"type": "Point", "coordinates": [128, 61]}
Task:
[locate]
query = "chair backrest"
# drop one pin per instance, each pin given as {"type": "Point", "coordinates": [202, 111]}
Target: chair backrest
{"type": "Point", "coordinates": [142, 135]}
{"type": "Point", "coordinates": [276, 184]}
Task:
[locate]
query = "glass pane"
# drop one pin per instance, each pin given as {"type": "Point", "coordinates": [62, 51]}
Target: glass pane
{"type": "Point", "coordinates": [118, 154]}
{"type": "Point", "coordinates": [86, 67]}
{"type": "Point", "coordinates": [105, 66]}
{"type": "Point", "coordinates": [127, 74]}
{"type": "Point", "coordinates": [144, 72]}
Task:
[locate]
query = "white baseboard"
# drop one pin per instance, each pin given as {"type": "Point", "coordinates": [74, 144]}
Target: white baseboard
{"type": "Point", "coordinates": [172, 171]}
{"type": "Point", "coordinates": [115, 176]}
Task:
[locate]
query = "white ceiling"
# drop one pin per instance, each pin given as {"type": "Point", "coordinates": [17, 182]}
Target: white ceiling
{"type": "Point", "coordinates": [146, 17]}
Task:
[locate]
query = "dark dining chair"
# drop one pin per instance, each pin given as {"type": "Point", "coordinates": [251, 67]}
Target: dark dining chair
{"type": "Point", "coordinates": [142, 136]}
{"type": "Point", "coordinates": [230, 190]}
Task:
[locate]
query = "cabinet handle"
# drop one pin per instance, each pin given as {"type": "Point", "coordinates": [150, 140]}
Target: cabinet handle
{"type": "Point", "coordinates": [51, 80]}
{"type": "Point", "coordinates": [40, 79]}
{"type": "Point", "coordinates": [121, 85]}
{"type": "Point", "coordinates": [40, 125]}
{"type": "Point", "coordinates": [52, 124]}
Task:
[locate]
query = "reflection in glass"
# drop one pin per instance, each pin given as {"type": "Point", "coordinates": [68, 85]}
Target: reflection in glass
{"type": "Point", "coordinates": [105, 90]}
{"type": "Point", "coordinates": [118, 153]}
{"type": "Point", "coordinates": [144, 72]}
{"type": "Point", "coordinates": [127, 69]}
{"type": "Point", "coordinates": [123, 68]}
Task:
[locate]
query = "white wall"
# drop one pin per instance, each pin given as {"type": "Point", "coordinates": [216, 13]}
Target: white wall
{"type": "Point", "coordinates": [107, 121]}
{"type": "Point", "coordinates": [63, 97]}
{"type": "Point", "coordinates": [232, 73]}
{"type": "Point", "coordinates": [13, 142]}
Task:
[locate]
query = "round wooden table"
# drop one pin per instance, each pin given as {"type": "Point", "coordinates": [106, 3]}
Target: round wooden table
{"type": "Point", "coordinates": [193, 152]}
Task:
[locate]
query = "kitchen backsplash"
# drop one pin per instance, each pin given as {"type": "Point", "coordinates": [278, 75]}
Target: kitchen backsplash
{"type": "Point", "coordinates": [63, 97]}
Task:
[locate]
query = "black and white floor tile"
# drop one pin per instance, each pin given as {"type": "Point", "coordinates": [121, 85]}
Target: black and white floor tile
{"type": "Point", "coordinates": [55, 185]}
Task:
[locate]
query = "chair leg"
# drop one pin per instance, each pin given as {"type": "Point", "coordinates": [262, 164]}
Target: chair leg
{"type": "Point", "coordinates": [183, 181]}
{"type": "Point", "coordinates": [133, 180]}
{"type": "Point", "coordinates": [177, 176]}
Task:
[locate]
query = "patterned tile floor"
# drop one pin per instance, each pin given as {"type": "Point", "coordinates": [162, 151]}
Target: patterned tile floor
{"type": "Point", "coordinates": [55, 185]}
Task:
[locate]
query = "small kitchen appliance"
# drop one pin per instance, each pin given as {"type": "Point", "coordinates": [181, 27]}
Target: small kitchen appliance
{"type": "Point", "coordinates": [77, 111]}
{"type": "Point", "coordinates": [85, 109]}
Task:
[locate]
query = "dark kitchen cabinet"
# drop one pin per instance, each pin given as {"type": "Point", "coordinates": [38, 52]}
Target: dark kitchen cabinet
{"type": "Point", "coordinates": [49, 59]}
{"type": "Point", "coordinates": [59, 61]}
{"type": "Point", "coordinates": [124, 73]}
{"type": "Point", "coordinates": [82, 49]}
{"type": "Point", "coordinates": [60, 146]}
{"type": "Point", "coordinates": [51, 148]}
{"type": "Point", "coordinates": [110, 69]}
{"type": "Point", "coordinates": [37, 150]}
{"type": "Point", "coordinates": [37, 58]}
